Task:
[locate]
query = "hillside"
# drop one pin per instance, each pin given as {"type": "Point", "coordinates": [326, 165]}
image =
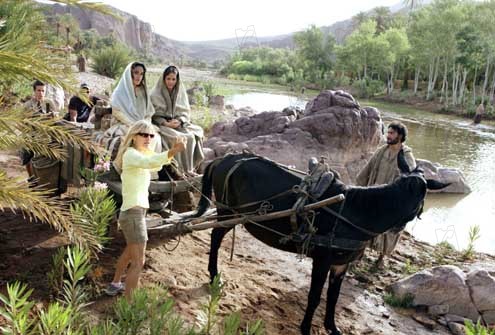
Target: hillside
{"type": "Point", "coordinates": [140, 35]}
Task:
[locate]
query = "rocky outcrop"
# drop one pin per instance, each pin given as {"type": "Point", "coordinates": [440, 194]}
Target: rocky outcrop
{"type": "Point", "coordinates": [449, 291]}
{"type": "Point", "coordinates": [333, 125]}
{"type": "Point", "coordinates": [455, 177]}
{"type": "Point", "coordinates": [130, 30]}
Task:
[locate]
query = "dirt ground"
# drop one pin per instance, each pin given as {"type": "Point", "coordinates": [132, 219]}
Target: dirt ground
{"type": "Point", "coordinates": [260, 282]}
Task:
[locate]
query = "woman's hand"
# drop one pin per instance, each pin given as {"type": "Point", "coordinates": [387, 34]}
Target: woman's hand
{"type": "Point", "coordinates": [172, 123]}
{"type": "Point", "coordinates": [179, 145]}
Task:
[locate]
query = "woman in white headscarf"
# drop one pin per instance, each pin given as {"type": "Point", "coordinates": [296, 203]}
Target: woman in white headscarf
{"type": "Point", "coordinates": [172, 116]}
{"type": "Point", "coordinates": [130, 103]}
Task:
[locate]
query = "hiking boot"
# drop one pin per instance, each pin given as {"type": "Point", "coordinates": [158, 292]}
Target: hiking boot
{"type": "Point", "coordinates": [114, 289]}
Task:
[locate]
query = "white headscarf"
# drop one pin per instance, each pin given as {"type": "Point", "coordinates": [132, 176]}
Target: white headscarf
{"type": "Point", "coordinates": [124, 97]}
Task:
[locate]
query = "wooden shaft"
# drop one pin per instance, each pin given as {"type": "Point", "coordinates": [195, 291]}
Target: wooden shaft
{"type": "Point", "coordinates": [266, 217]}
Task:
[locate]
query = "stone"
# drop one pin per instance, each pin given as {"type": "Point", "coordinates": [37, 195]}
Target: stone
{"type": "Point", "coordinates": [425, 321]}
{"type": "Point", "coordinates": [456, 328]}
{"type": "Point", "coordinates": [445, 285]}
{"type": "Point", "coordinates": [217, 102]}
{"type": "Point", "coordinates": [458, 183]}
{"type": "Point", "coordinates": [333, 125]}
{"type": "Point", "coordinates": [482, 288]}
{"type": "Point", "coordinates": [455, 318]}
{"type": "Point", "coordinates": [438, 309]}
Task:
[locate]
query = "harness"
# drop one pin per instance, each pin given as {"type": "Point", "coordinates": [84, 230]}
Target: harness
{"type": "Point", "coordinates": [311, 188]}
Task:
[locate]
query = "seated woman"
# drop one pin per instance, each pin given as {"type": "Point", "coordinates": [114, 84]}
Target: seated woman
{"type": "Point", "coordinates": [130, 103]}
{"type": "Point", "coordinates": [172, 116]}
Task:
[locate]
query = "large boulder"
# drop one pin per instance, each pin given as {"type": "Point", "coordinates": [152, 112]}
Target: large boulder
{"type": "Point", "coordinates": [465, 295]}
{"type": "Point", "coordinates": [453, 176]}
{"type": "Point", "coordinates": [482, 287]}
{"type": "Point", "coordinates": [333, 125]}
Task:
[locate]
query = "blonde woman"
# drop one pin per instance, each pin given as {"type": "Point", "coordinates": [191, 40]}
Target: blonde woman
{"type": "Point", "coordinates": [135, 160]}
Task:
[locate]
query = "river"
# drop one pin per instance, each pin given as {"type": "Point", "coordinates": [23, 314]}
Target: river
{"type": "Point", "coordinates": [448, 140]}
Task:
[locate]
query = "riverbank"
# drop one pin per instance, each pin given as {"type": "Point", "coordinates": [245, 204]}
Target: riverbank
{"type": "Point", "coordinates": [429, 106]}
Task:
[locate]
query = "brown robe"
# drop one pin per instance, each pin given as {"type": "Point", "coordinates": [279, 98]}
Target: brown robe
{"type": "Point", "coordinates": [382, 168]}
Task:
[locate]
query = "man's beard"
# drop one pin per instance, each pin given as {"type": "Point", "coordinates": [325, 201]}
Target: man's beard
{"type": "Point", "coordinates": [392, 142]}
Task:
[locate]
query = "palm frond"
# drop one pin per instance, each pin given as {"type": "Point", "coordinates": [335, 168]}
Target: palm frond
{"type": "Point", "coordinates": [35, 203]}
{"type": "Point", "coordinates": [41, 135]}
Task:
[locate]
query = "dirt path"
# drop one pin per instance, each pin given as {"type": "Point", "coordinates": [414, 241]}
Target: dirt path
{"type": "Point", "coordinates": [261, 282]}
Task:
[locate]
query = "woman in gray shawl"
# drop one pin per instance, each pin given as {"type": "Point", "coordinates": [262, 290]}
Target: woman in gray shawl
{"type": "Point", "coordinates": [130, 103]}
{"type": "Point", "coordinates": [172, 116]}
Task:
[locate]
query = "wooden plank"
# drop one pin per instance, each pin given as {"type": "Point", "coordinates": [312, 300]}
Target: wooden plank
{"type": "Point", "coordinates": [175, 218]}
{"type": "Point", "coordinates": [180, 185]}
{"type": "Point", "coordinates": [160, 186]}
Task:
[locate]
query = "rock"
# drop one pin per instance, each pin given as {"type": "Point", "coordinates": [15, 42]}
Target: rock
{"type": "Point", "coordinates": [457, 329]}
{"type": "Point", "coordinates": [482, 288]}
{"type": "Point", "coordinates": [445, 175]}
{"type": "Point", "coordinates": [442, 321]}
{"type": "Point", "coordinates": [438, 309]}
{"type": "Point", "coordinates": [425, 321]}
{"type": "Point", "coordinates": [217, 102]}
{"type": "Point", "coordinates": [332, 125]}
{"type": "Point", "coordinates": [445, 285]}
{"type": "Point", "coordinates": [194, 93]}
{"type": "Point", "coordinates": [455, 318]}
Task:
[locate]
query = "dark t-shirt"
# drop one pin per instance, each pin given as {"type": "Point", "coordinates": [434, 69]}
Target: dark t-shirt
{"type": "Point", "coordinates": [83, 109]}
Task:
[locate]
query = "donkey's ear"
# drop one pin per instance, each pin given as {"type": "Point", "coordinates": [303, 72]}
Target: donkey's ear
{"type": "Point", "coordinates": [402, 163]}
{"type": "Point", "coordinates": [432, 184]}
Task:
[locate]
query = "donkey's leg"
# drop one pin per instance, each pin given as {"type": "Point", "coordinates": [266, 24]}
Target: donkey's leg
{"type": "Point", "coordinates": [321, 265]}
{"type": "Point", "coordinates": [217, 236]}
{"type": "Point", "coordinates": [337, 274]}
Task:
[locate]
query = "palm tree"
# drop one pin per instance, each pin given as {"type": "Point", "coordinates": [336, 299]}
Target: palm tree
{"type": "Point", "coordinates": [412, 4]}
{"type": "Point", "coordinates": [358, 19]}
{"type": "Point", "coordinates": [382, 16]}
{"type": "Point", "coordinates": [23, 57]}
{"type": "Point", "coordinates": [70, 24]}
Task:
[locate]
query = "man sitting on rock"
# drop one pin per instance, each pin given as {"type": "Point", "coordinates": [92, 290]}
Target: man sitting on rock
{"type": "Point", "coordinates": [80, 106]}
{"type": "Point", "coordinates": [383, 168]}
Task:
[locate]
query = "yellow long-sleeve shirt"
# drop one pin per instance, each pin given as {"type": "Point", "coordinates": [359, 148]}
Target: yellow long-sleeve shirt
{"type": "Point", "coordinates": [136, 176]}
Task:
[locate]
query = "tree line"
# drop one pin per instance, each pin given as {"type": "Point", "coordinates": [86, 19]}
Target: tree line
{"type": "Point", "coordinates": [444, 50]}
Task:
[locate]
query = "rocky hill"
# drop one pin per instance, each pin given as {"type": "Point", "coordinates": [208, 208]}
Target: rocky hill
{"type": "Point", "coordinates": [140, 35]}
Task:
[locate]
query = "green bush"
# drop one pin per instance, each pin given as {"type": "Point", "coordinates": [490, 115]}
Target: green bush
{"type": "Point", "coordinates": [111, 61]}
{"type": "Point", "coordinates": [403, 302]}
{"type": "Point", "coordinates": [368, 88]}
{"type": "Point", "coordinates": [477, 329]}
{"type": "Point", "coordinates": [151, 311]}
{"type": "Point", "coordinates": [93, 213]}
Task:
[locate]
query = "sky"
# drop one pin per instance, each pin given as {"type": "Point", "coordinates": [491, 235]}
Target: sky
{"type": "Point", "coordinates": [186, 20]}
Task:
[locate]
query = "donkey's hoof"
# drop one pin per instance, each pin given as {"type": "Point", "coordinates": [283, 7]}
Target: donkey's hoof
{"type": "Point", "coordinates": [335, 331]}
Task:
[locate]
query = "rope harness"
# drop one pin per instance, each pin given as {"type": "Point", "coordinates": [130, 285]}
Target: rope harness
{"type": "Point", "coordinates": [304, 234]}
{"type": "Point", "coordinates": [311, 188]}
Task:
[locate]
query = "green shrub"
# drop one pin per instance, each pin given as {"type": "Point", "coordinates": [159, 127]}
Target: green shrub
{"type": "Point", "coordinates": [111, 61]}
{"type": "Point", "coordinates": [403, 302]}
{"type": "Point", "coordinates": [92, 214]}
{"type": "Point", "coordinates": [474, 235]}
{"type": "Point", "coordinates": [477, 329]}
{"type": "Point", "coordinates": [368, 88]}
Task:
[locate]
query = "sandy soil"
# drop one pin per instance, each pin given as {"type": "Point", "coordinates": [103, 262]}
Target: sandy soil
{"type": "Point", "coordinates": [261, 282]}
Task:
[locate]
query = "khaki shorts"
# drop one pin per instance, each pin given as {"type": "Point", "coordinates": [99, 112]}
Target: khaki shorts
{"type": "Point", "coordinates": [133, 225]}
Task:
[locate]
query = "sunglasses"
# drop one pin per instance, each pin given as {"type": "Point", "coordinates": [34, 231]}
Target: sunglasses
{"type": "Point", "coordinates": [145, 135]}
